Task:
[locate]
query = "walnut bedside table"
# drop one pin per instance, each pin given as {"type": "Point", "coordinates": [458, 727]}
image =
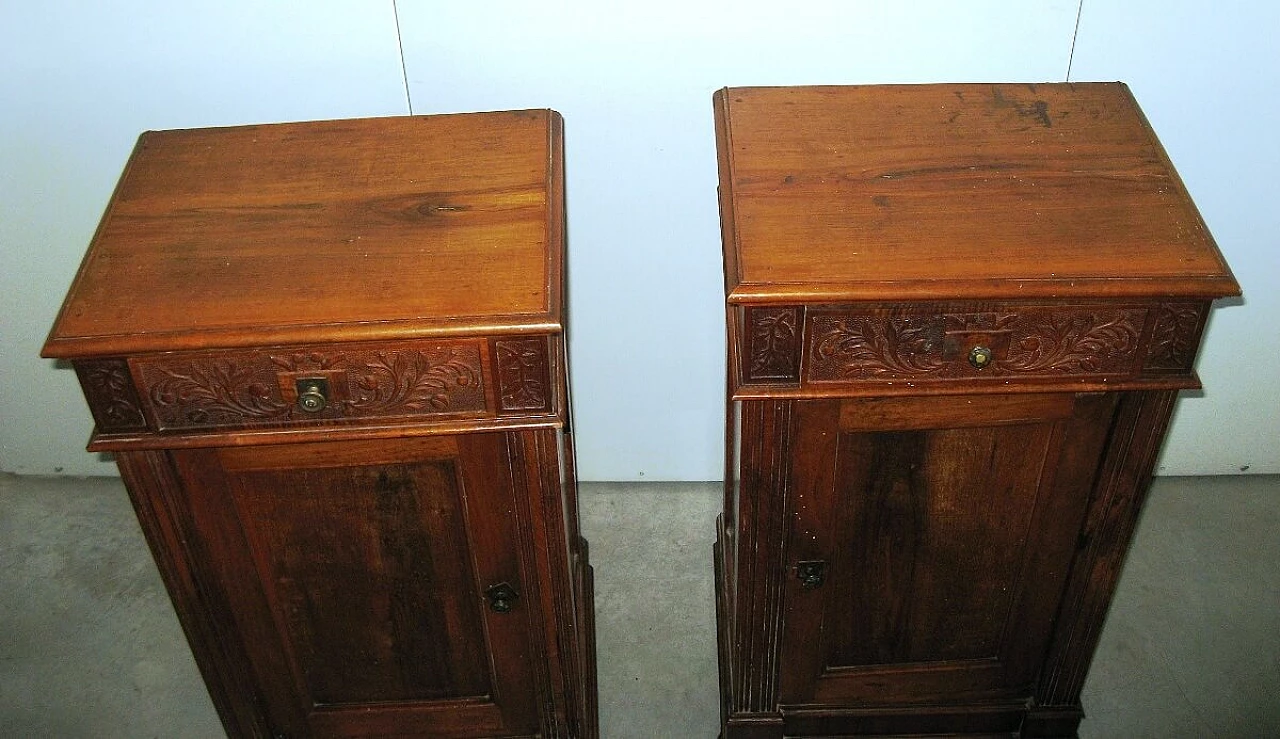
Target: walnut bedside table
{"type": "Point", "coordinates": [958, 318]}
{"type": "Point", "coordinates": [330, 360]}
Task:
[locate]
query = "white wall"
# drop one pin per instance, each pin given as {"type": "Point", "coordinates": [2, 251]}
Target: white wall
{"type": "Point", "coordinates": [78, 83]}
{"type": "Point", "coordinates": [634, 84]}
{"type": "Point", "coordinates": [1206, 75]}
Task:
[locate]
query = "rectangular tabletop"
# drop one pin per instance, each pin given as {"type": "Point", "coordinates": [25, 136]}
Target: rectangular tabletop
{"type": "Point", "coordinates": [325, 231]}
{"type": "Point", "coordinates": [953, 191]}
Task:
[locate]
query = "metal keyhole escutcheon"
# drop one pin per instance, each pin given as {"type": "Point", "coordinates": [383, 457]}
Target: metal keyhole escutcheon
{"type": "Point", "coordinates": [502, 597]}
{"type": "Point", "coordinates": [811, 574]}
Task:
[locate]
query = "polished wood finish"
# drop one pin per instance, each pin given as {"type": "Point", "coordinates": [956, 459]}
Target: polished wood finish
{"type": "Point", "coordinates": [958, 317]}
{"type": "Point", "coordinates": [844, 193]}
{"type": "Point", "coordinates": [405, 560]}
{"type": "Point", "coordinates": [943, 544]}
{"type": "Point", "coordinates": [452, 224]}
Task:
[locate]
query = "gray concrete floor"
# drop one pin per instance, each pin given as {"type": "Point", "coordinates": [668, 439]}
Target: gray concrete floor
{"type": "Point", "coordinates": [89, 646]}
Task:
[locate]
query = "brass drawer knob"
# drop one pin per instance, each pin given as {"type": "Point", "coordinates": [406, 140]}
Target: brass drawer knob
{"type": "Point", "coordinates": [980, 357]}
{"type": "Point", "coordinates": [313, 395]}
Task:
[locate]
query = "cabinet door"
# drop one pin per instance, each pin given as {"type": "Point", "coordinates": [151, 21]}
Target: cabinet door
{"type": "Point", "coordinates": [929, 540]}
{"type": "Point", "coordinates": [377, 586]}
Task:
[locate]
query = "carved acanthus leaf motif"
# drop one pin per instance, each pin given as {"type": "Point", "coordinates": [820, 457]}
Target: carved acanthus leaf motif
{"type": "Point", "coordinates": [1080, 343]}
{"type": "Point", "coordinates": [210, 392]}
{"type": "Point", "coordinates": [933, 343]}
{"type": "Point", "coordinates": [225, 389]}
{"type": "Point", "coordinates": [873, 346]}
{"type": "Point", "coordinates": [406, 380]}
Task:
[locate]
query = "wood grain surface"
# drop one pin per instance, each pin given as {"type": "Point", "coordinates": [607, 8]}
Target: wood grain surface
{"type": "Point", "coordinates": [957, 319]}
{"type": "Point", "coordinates": [945, 191]}
{"type": "Point", "coordinates": [330, 358]}
{"type": "Point", "coordinates": [334, 230]}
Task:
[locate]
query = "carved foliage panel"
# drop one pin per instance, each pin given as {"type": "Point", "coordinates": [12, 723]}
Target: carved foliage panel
{"type": "Point", "coordinates": [773, 344]}
{"type": "Point", "coordinates": [925, 343]}
{"type": "Point", "coordinates": [109, 390]}
{"type": "Point", "coordinates": [523, 374]}
{"type": "Point", "coordinates": [228, 389]}
{"type": "Point", "coordinates": [1175, 336]}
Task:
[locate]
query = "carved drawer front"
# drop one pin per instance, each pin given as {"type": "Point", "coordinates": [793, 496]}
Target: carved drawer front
{"type": "Point", "coordinates": [852, 345]}
{"type": "Point", "coordinates": [267, 386]}
{"type": "Point", "coordinates": [826, 345]}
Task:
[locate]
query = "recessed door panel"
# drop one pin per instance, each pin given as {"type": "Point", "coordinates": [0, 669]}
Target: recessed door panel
{"type": "Point", "coordinates": [365, 574]}
{"type": "Point", "coordinates": [933, 529]}
{"type": "Point", "coordinates": [385, 609]}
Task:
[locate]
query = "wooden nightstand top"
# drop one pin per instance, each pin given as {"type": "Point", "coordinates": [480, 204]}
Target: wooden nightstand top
{"type": "Point", "coordinates": [833, 194]}
{"type": "Point", "coordinates": [370, 229]}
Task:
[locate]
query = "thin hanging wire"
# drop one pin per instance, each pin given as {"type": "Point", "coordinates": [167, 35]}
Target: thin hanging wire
{"type": "Point", "coordinates": [1074, 35]}
{"type": "Point", "coordinates": [404, 72]}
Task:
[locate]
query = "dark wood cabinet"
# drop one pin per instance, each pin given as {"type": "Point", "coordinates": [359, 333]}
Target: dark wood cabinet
{"type": "Point", "coordinates": [329, 359]}
{"type": "Point", "coordinates": [958, 318]}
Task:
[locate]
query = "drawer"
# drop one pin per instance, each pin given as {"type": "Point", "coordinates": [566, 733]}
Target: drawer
{"type": "Point", "coordinates": [936, 344]}
{"type": "Point", "coordinates": [301, 386]}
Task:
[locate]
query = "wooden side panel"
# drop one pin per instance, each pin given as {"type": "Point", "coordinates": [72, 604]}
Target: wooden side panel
{"type": "Point", "coordinates": [1113, 515]}
{"type": "Point", "coordinates": [578, 634]}
{"type": "Point", "coordinates": [760, 552]}
{"type": "Point", "coordinates": [546, 544]}
{"type": "Point", "coordinates": [220, 654]}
